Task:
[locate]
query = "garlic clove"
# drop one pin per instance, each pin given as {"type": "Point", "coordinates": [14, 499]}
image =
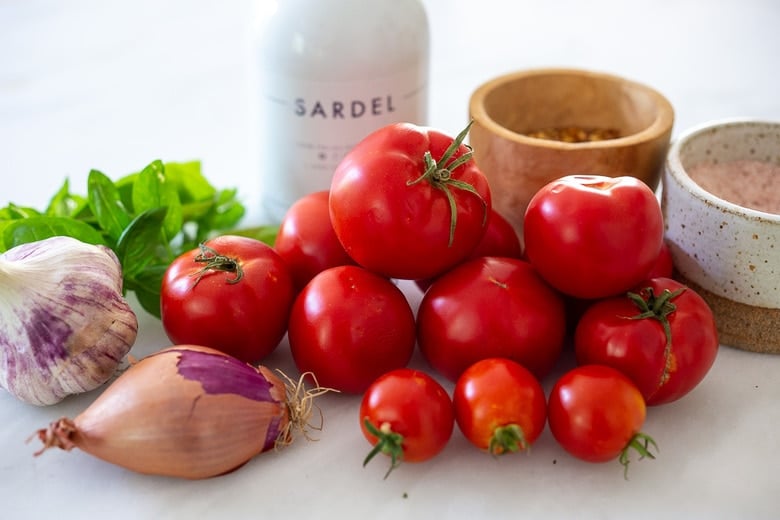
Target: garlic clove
{"type": "Point", "coordinates": [64, 323]}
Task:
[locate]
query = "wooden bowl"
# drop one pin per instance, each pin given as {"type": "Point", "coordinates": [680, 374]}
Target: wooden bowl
{"type": "Point", "coordinates": [725, 243]}
{"type": "Point", "coordinates": [505, 110]}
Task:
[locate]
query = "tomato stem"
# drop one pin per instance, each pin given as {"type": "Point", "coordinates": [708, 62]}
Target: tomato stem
{"type": "Point", "coordinates": [389, 442]}
{"type": "Point", "coordinates": [440, 177]}
{"type": "Point", "coordinates": [658, 308]}
{"type": "Point", "coordinates": [508, 439]}
{"type": "Point", "coordinates": [642, 444]}
{"type": "Point", "coordinates": [217, 262]}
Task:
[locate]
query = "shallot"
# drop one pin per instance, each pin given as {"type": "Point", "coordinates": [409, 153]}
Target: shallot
{"type": "Point", "coordinates": [187, 411]}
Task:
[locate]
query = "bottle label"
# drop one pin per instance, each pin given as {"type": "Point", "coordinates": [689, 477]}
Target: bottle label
{"type": "Point", "coordinates": [307, 127]}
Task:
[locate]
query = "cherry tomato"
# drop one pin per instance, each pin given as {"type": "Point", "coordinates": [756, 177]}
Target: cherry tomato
{"type": "Point", "coordinates": [592, 236]}
{"type": "Point", "coordinates": [491, 307]}
{"type": "Point", "coordinates": [233, 294]}
{"type": "Point", "coordinates": [306, 240]}
{"type": "Point", "coordinates": [409, 202]}
{"type": "Point", "coordinates": [348, 326]}
{"type": "Point", "coordinates": [407, 415]}
{"type": "Point", "coordinates": [499, 406]}
{"type": "Point", "coordinates": [500, 239]}
{"type": "Point", "coordinates": [596, 414]}
{"type": "Point", "coordinates": [629, 333]}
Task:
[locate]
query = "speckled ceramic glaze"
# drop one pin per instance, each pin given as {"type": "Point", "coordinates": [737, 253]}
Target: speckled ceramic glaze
{"type": "Point", "coordinates": [729, 253]}
{"type": "Point", "coordinates": [506, 108]}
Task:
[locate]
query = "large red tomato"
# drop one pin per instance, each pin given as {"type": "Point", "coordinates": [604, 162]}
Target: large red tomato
{"type": "Point", "coordinates": [596, 414]}
{"type": "Point", "coordinates": [409, 202]}
{"type": "Point", "coordinates": [491, 307]}
{"type": "Point", "coordinates": [499, 406]}
{"type": "Point", "coordinates": [306, 239]}
{"type": "Point", "coordinates": [662, 336]}
{"type": "Point", "coordinates": [348, 326]}
{"type": "Point", "coordinates": [233, 294]}
{"type": "Point", "coordinates": [407, 415]}
{"type": "Point", "coordinates": [593, 236]}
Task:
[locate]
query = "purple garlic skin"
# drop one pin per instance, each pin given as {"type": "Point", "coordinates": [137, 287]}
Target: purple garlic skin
{"type": "Point", "coordinates": [64, 324]}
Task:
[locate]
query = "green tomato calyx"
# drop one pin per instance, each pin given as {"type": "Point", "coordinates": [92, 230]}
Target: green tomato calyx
{"type": "Point", "coordinates": [389, 442]}
{"type": "Point", "coordinates": [439, 175]}
{"type": "Point", "coordinates": [658, 307]}
{"type": "Point", "coordinates": [215, 261]}
{"type": "Point", "coordinates": [642, 444]}
{"type": "Point", "coordinates": [508, 439]}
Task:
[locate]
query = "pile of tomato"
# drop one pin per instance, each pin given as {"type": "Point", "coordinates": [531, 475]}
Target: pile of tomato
{"type": "Point", "coordinates": [410, 203]}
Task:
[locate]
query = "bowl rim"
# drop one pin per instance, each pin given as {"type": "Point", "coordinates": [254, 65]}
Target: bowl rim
{"type": "Point", "coordinates": [675, 168]}
{"type": "Point", "coordinates": [662, 124]}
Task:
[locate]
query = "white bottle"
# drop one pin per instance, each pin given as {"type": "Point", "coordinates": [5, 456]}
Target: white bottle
{"type": "Point", "coordinates": [329, 72]}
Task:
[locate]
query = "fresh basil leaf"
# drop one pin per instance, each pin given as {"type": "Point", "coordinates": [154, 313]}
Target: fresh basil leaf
{"type": "Point", "coordinates": [4, 224]}
{"type": "Point", "coordinates": [265, 234]}
{"type": "Point", "coordinates": [194, 211]}
{"type": "Point", "coordinates": [105, 203]}
{"type": "Point", "coordinates": [66, 204]}
{"type": "Point", "coordinates": [189, 181]}
{"type": "Point", "coordinates": [59, 205]}
{"type": "Point", "coordinates": [141, 241]}
{"type": "Point", "coordinates": [228, 213]}
{"type": "Point", "coordinates": [124, 186]}
{"type": "Point", "coordinates": [152, 190]}
{"type": "Point", "coordinates": [14, 212]}
{"type": "Point", "coordinates": [39, 227]}
{"type": "Point", "coordinates": [147, 285]}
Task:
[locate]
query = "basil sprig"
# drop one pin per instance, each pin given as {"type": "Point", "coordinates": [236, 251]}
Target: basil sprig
{"type": "Point", "coordinates": [147, 218]}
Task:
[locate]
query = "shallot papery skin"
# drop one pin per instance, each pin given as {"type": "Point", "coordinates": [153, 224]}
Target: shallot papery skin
{"type": "Point", "coordinates": [65, 325]}
{"type": "Point", "coordinates": [187, 411]}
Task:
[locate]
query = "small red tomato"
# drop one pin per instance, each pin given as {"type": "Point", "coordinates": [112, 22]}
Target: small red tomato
{"type": "Point", "coordinates": [596, 414]}
{"type": "Point", "coordinates": [407, 415]}
{"type": "Point", "coordinates": [233, 294]}
{"type": "Point", "coordinates": [348, 326]}
{"type": "Point", "coordinates": [409, 202]}
{"type": "Point", "coordinates": [499, 406]}
{"type": "Point", "coordinates": [491, 307]}
{"type": "Point", "coordinates": [592, 236]}
{"type": "Point", "coordinates": [662, 335]}
{"type": "Point", "coordinates": [306, 240]}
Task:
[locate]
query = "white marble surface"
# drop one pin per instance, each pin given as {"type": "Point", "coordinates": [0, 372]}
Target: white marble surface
{"type": "Point", "coordinates": [112, 85]}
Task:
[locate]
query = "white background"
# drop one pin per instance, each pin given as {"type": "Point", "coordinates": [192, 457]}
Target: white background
{"type": "Point", "coordinates": [113, 85]}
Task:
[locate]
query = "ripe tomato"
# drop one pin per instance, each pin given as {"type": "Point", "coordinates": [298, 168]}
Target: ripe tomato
{"type": "Point", "coordinates": [306, 240]}
{"type": "Point", "coordinates": [407, 415]}
{"type": "Point", "coordinates": [348, 326]}
{"type": "Point", "coordinates": [500, 239]}
{"type": "Point", "coordinates": [499, 406]}
{"type": "Point", "coordinates": [592, 236]}
{"type": "Point", "coordinates": [663, 267]}
{"type": "Point", "coordinates": [629, 333]}
{"type": "Point", "coordinates": [408, 202]}
{"type": "Point", "coordinates": [491, 307]}
{"type": "Point", "coordinates": [596, 414]}
{"type": "Point", "coordinates": [233, 294]}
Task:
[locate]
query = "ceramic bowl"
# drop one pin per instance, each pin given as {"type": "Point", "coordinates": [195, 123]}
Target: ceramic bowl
{"type": "Point", "coordinates": [726, 244]}
{"type": "Point", "coordinates": [505, 110]}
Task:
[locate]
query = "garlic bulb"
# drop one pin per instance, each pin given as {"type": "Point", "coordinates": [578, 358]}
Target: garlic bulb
{"type": "Point", "coordinates": [64, 323]}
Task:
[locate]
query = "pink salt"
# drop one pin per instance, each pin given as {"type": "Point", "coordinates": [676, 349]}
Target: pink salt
{"type": "Point", "coordinates": [747, 183]}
